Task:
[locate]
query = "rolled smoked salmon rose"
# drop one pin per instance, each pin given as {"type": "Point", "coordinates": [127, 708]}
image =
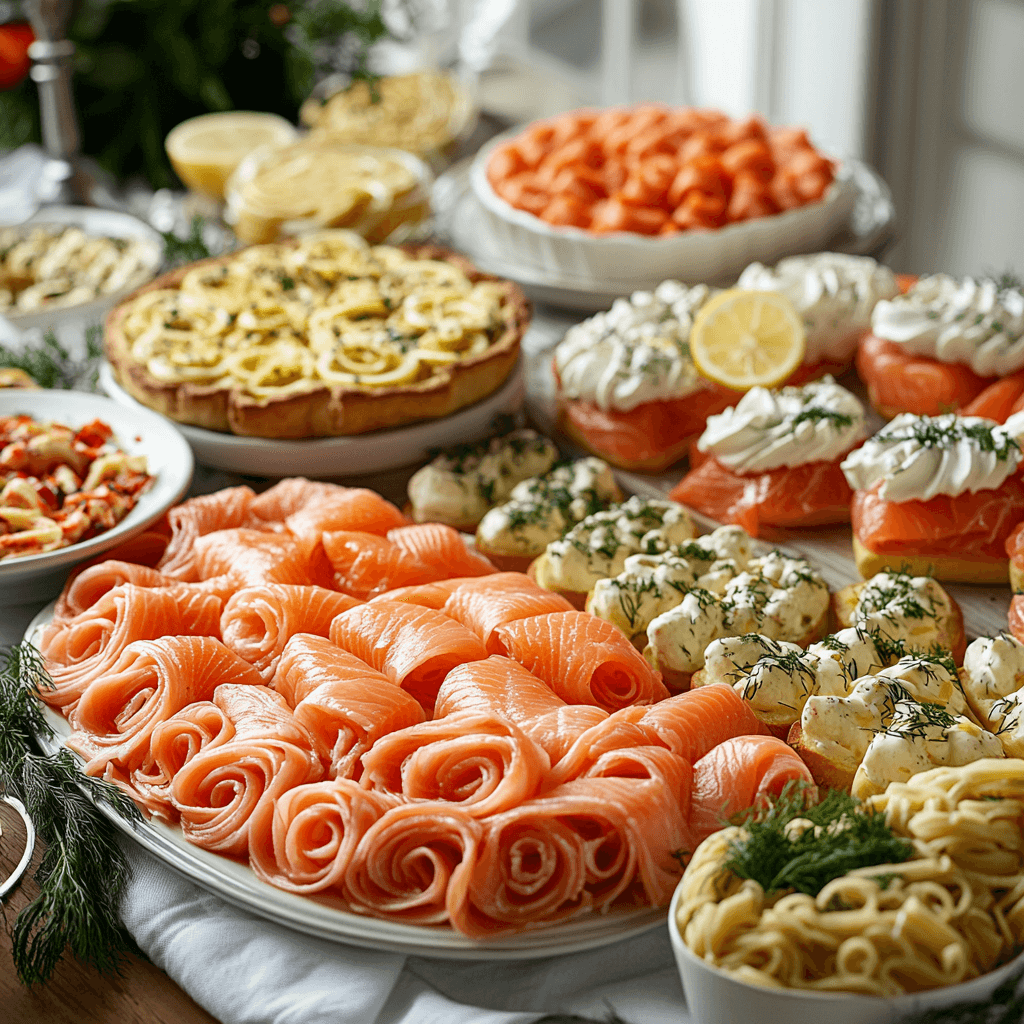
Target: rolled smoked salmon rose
{"type": "Point", "coordinates": [151, 681]}
{"type": "Point", "coordinates": [415, 863]}
{"type": "Point", "coordinates": [257, 622]}
{"type": "Point", "coordinates": [304, 842]}
{"type": "Point", "coordinates": [223, 510]}
{"type": "Point", "coordinates": [81, 649]}
{"type": "Point", "coordinates": [171, 746]}
{"type": "Point", "coordinates": [84, 589]}
{"type": "Point", "coordinates": [584, 659]}
{"type": "Point", "coordinates": [477, 760]}
{"type": "Point", "coordinates": [346, 705]}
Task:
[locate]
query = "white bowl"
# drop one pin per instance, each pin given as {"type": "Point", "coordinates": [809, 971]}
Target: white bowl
{"type": "Point", "coordinates": [138, 432]}
{"type": "Point", "coordinates": [624, 261]}
{"type": "Point", "coordinates": [713, 997]}
{"type": "Point", "coordinates": [70, 323]}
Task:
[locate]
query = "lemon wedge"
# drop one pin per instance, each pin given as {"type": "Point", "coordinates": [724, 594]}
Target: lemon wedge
{"type": "Point", "coordinates": [205, 150]}
{"type": "Point", "coordinates": [744, 339]}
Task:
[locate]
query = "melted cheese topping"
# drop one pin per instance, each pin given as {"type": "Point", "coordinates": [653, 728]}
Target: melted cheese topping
{"type": "Point", "coordinates": [541, 509]}
{"type": "Point", "coordinates": [598, 546]}
{"type": "Point", "coordinates": [458, 488]}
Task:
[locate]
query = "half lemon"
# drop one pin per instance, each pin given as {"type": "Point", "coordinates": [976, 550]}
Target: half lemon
{"type": "Point", "coordinates": [205, 150]}
{"type": "Point", "coordinates": [744, 339]}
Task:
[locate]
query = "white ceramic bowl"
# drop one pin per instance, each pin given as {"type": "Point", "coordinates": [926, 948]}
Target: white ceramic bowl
{"type": "Point", "coordinates": [138, 432]}
{"type": "Point", "coordinates": [713, 997]}
{"type": "Point", "coordinates": [624, 261]}
{"type": "Point", "coordinates": [70, 323]}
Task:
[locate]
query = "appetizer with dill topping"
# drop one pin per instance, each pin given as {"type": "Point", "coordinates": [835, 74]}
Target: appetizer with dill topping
{"type": "Point", "coordinates": [937, 496]}
{"type": "Point", "coordinates": [772, 460]}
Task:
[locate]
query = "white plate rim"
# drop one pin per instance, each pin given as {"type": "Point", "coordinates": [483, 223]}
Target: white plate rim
{"type": "Point", "coordinates": [172, 479]}
{"type": "Point", "coordinates": [236, 884]}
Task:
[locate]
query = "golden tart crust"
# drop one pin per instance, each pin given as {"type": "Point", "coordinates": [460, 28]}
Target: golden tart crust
{"type": "Point", "coordinates": [326, 410]}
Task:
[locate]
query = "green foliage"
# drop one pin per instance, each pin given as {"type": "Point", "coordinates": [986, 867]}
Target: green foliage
{"type": "Point", "coordinates": [50, 364]}
{"type": "Point", "coordinates": [83, 872]}
{"type": "Point", "coordinates": [186, 250]}
{"type": "Point", "coordinates": [847, 837]}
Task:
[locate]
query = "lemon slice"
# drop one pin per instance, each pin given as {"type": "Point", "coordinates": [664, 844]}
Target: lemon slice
{"type": "Point", "coordinates": [205, 150]}
{"type": "Point", "coordinates": [743, 339]}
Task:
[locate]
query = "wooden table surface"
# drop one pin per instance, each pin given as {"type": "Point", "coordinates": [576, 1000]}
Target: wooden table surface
{"type": "Point", "coordinates": [77, 994]}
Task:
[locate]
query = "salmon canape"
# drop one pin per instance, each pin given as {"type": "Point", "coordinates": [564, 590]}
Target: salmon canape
{"type": "Point", "coordinates": [835, 295]}
{"type": "Point", "coordinates": [936, 348]}
{"type": "Point", "coordinates": [628, 389]}
{"type": "Point", "coordinates": [937, 496]}
{"type": "Point", "coordinates": [674, 603]}
{"type": "Point", "coordinates": [772, 460]}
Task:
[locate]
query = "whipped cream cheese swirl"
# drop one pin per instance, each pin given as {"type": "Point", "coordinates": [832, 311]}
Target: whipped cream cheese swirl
{"type": "Point", "coordinates": [638, 351]}
{"type": "Point", "coordinates": [916, 458]}
{"type": "Point", "coordinates": [788, 427]}
{"type": "Point", "coordinates": [979, 323]}
{"type": "Point", "coordinates": [835, 295]}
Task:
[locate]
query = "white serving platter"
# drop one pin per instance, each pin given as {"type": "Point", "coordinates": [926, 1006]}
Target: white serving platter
{"type": "Point", "coordinates": [138, 432]}
{"type": "Point", "coordinates": [329, 918]}
{"type": "Point", "coordinates": [328, 457]}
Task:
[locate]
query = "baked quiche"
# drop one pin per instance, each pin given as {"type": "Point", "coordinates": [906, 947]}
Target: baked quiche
{"type": "Point", "coordinates": [321, 336]}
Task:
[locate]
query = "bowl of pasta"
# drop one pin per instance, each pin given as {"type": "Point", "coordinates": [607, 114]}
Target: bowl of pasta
{"type": "Point", "coordinates": [80, 476]}
{"type": "Point", "coordinates": [569, 197]}
{"type": "Point", "coordinates": [909, 903]}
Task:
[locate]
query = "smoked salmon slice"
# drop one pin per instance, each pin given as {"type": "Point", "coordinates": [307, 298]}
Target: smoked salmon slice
{"type": "Point", "coordinates": [171, 745]}
{"type": "Point", "coordinates": [414, 647]}
{"type": "Point", "coordinates": [475, 759]}
{"type": "Point", "coordinates": [366, 565]}
{"type": "Point", "coordinates": [306, 844]}
{"type": "Point", "coordinates": [814, 494]}
{"type": "Point", "coordinates": [441, 550]}
{"type": "Point", "coordinates": [1015, 620]}
{"type": "Point", "coordinates": [738, 773]}
{"type": "Point", "coordinates": [578, 848]}
{"type": "Point", "coordinates": [492, 601]}
{"type": "Point", "coordinates": [344, 508]}
{"type": "Point", "coordinates": [218, 791]}
{"type": "Point", "coordinates": [584, 659]}
{"type": "Point", "coordinates": [898, 382]}
{"type": "Point", "coordinates": [257, 622]}
{"type": "Point", "coordinates": [81, 649]}
{"type": "Point", "coordinates": [999, 401]}
{"type": "Point", "coordinates": [150, 681]}
{"type": "Point", "coordinates": [414, 863]}
{"type": "Point", "coordinates": [345, 704]}
{"type": "Point", "coordinates": [426, 595]}
{"type": "Point", "coordinates": [254, 557]}
{"type": "Point", "coordinates": [192, 519]}
{"type": "Point", "coordinates": [503, 687]}
{"type": "Point", "coordinates": [969, 525]}
{"type": "Point", "coordinates": [85, 588]}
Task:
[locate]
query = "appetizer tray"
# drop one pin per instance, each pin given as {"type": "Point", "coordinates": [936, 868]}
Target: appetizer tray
{"type": "Point", "coordinates": [327, 918]}
{"type": "Point", "coordinates": [338, 456]}
{"type": "Point", "coordinates": [461, 224]}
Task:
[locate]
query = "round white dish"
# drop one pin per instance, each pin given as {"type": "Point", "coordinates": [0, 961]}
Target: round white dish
{"type": "Point", "coordinates": [324, 457]}
{"type": "Point", "coordinates": [712, 995]}
{"type": "Point", "coordinates": [636, 261]}
{"type": "Point", "coordinates": [328, 918]}
{"type": "Point", "coordinates": [70, 323]}
{"type": "Point", "coordinates": [138, 432]}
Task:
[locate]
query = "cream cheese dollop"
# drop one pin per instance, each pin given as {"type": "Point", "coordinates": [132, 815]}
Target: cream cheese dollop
{"type": "Point", "coordinates": [788, 427]}
{"type": "Point", "coordinates": [916, 458]}
{"type": "Point", "coordinates": [993, 677]}
{"type": "Point", "coordinates": [638, 351]}
{"type": "Point", "coordinates": [835, 294]}
{"type": "Point", "coordinates": [979, 323]}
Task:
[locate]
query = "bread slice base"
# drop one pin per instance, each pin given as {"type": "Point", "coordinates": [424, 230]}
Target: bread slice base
{"type": "Point", "coordinates": [947, 568]}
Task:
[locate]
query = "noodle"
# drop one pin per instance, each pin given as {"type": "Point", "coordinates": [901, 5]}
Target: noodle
{"type": "Point", "coordinates": [953, 911]}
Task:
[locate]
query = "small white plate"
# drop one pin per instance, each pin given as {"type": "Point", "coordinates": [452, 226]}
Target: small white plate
{"type": "Point", "coordinates": [71, 322]}
{"type": "Point", "coordinates": [324, 457]}
{"type": "Point", "coordinates": [138, 432]}
{"type": "Point", "coordinates": [328, 918]}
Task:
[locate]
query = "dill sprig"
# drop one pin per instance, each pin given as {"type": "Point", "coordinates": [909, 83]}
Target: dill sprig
{"type": "Point", "coordinates": [51, 365]}
{"type": "Point", "coordinates": [843, 837]}
{"type": "Point", "coordinates": [192, 247]}
{"type": "Point", "coordinates": [83, 871]}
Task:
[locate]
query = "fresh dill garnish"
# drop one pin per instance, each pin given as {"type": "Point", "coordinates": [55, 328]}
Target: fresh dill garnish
{"type": "Point", "coordinates": [841, 837]}
{"type": "Point", "coordinates": [890, 649]}
{"type": "Point", "coordinates": [945, 431]}
{"type": "Point", "coordinates": [914, 718]}
{"type": "Point", "coordinates": [51, 365]}
{"type": "Point", "coordinates": [287, 283]}
{"type": "Point", "coordinates": [833, 643]}
{"type": "Point", "coordinates": [631, 592]}
{"type": "Point", "coordinates": [192, 247]}
{"type": "Point", "coordinates": [818, 414]}
{"type": "Point", "coordinates": [84, 871]}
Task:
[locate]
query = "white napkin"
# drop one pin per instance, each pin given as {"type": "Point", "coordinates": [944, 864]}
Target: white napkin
{"type": "Point", "coordinates": [245, 970]}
